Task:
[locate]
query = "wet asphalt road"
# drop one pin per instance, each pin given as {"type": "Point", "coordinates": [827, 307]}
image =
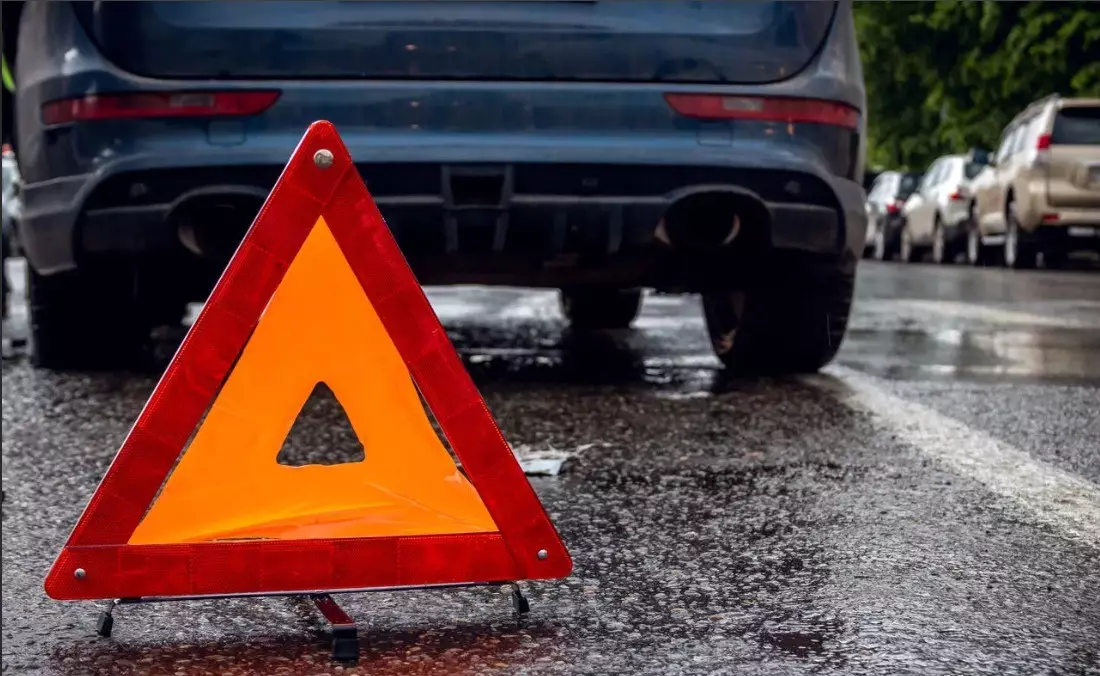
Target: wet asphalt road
{"type": "Point", "coordinates": [929, 504]}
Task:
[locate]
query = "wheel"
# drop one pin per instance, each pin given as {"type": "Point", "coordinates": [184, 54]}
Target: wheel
{"type": "Point", "coordinates": [6, 253]}
{"type": "Point", "coordinates": [1055, 260]}
{"type": "Point", "coordinates": [885, 247]}
{"type": "Point", "coordinates": [941, 252]}
{"type": "Point", "coordinates": [600, 308]}
{"type": "Point", "coordinates": [974, 250]}
{"type": "Point", "coordinates": [86, 319]}
{"type": "Point", "coordinates": [1018, 253]}
{"type": "Point", "coordinates": [793, 323]}
{"type": "Point", "coordinates": [907, 252]}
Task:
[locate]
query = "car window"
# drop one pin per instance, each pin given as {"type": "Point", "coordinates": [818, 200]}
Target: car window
{"type": "Point", "coordinates": [882, 184]}
{"type": "Point", "coordinates": [876, 188]}
{"type": "Point", "coordinates": [888, 187]}
{"type": "Point", "coordinates": [972, 169]}
{"type": "Point", "coordinates": [908, 185]}
{"type": "Point", "coordinates": [1079, 126]}
{"type": "Point", "coordinates": [952, 171]}
{"type": "Point", "coordinates": [930, 176]}
{"type": "Point", "coordinates": [1004, 149]}
{"type": "Point", "coordinates": [1019, 141]}
{"type": "Point", "coordinates": [942, 172]}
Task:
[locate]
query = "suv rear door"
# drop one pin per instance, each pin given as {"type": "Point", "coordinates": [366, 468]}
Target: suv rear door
{"type": "Point", "coordinates": [1073, 174]}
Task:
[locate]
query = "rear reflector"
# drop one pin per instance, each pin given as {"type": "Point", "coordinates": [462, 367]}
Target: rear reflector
{"type": "Point", "coordinates": [157, 104]}
{"type": "Point", "coordinates": [1050, 218]}
{"type": "Point", "coordinates": [785, 110]}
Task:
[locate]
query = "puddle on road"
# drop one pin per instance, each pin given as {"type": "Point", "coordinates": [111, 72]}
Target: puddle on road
{"type": "Point", "coordinates": [1031, 354]}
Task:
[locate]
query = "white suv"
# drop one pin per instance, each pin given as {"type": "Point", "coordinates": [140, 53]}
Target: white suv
{"type": "Point", "coordinates": [936, 214]}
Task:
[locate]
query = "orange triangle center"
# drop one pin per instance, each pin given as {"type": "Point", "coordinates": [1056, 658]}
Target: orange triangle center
{"type": "Point", "coordinates": [318, 327]}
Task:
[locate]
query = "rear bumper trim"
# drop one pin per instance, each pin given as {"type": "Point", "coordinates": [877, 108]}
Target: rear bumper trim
{"type": "Point", "coordinates": [81, 215]}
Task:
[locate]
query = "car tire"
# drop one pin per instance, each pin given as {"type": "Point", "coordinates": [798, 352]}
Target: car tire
{"type": "Point", "coordinates": [1018, 253]}
{"type": "Point", "coordinates": [597, 309]}
{"type": "Point", "coordinates": [907, 250]}
{"type": "Point", "coordinates": [86, 319]}
{"type": "Point", "coordinates": [1055, 260]}
{"type": "Point", "coordinates": [942, 252]}
{"type": "Point", "coordinates": [794, 323]}
{"type": "Point", "coordinates": [975, 250]}
{"type": "Point", "coordinates": [882, 248]}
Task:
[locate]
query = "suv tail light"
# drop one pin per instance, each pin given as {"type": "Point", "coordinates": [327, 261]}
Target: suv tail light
{"type": "Point", "coordinates": [157, 104]}
{"type": "Point", "coordinates": [1042, 150]}
{"type": "Point", "coordinates": [785, 110]}
{"type": "Point", "coordinates": [958, 195]}
{"type": "Point", "coordinates": [894, 207]}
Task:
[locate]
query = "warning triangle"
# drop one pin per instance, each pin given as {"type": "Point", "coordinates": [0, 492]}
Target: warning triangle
{"type": "Point", "coordinates": [196, 502]}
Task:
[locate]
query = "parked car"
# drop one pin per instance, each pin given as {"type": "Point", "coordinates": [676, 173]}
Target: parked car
{"type": "Point", "coordinates": [1041, 194]}
{"type": "Point", "coordinates": [936, 212]}
{"type": "Point", "coordinates": [884, 212]}
{"type": "Point", "coordinates": [12, 211]}
{"type": "Point", "coordinates": [597, 148]}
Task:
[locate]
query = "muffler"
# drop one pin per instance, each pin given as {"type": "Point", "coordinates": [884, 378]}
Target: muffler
{"type": "Point", "coordinates": [710, 220]}
{"type": "Point", "coordinates": [212, 224]}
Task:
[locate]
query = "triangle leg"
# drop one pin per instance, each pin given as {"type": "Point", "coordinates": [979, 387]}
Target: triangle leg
{"type": "Point", "coordinates": [519, 601]}
{"type": "Point", "coordinates": [345, 635]}
{"type": "Point", "coordinates": [106, 620]}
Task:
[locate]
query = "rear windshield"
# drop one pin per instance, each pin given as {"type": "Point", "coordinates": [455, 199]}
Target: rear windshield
{"type": "Point", "coordinates": [908, 186]}
{"type": "Point", "coordinates": [606, 40]}
{"type": "Point", "coordinates": [972, 169]}
{"type": "Point", "coordinates": [1078, 126]}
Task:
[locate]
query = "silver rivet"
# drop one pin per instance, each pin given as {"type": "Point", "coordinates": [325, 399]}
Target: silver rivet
{"type": "Point", "coordinates": [80, 573]}
{"type": "Point", "coordinates": [542, 555]}
{"type": "Point", "coordinates": [323, 158]}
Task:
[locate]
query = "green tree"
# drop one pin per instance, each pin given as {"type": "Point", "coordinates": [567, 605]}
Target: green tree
{"type": "Point", "coordinates": [947, 75]}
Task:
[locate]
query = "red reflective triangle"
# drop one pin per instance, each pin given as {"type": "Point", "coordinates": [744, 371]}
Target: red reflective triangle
{"type": "Point", "coordinates": [97, 562]}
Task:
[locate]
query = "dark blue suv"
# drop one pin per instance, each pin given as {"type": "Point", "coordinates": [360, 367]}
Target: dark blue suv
{"type": "Point", "coordinates": [595, 147]}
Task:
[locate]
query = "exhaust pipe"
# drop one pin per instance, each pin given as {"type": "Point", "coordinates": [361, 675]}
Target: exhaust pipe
{"type": "Point", "coordinates": [709, 220]}
{"type": "Point", "coordinates": [212, 224]}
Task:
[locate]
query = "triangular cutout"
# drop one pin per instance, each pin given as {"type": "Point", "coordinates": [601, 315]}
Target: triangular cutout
{"type": "Point", "coordinates": [321, 416]}
{"type": "Point", "coordinates": [319, 265]}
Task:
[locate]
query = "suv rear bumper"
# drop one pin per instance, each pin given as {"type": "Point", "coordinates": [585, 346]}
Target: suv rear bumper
{"type": "Point", "coordinates": [537, 223]}
{"type": "Point", "coordinates": [1075, 230]}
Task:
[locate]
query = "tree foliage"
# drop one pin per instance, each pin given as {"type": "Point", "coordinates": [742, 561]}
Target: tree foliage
{"type": "Point", "coordinates": [944, 76]}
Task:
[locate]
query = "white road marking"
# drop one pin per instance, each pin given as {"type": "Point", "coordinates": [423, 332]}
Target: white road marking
{"type": "Point", "coordinates": [982, 314]}
{"type": "Point", "coordinates": [1055, 497]}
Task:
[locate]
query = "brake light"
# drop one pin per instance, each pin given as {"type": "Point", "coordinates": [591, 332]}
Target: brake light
{"type": "Point", "coordinates": [893, 208]}
{"type": "Point", "coordinates": [1042, 150]}
{"type": "Point", "coordinates": [786, 110]}
{"type": "Point", "coordinates": [157, 104]}
{"type": "Point", "coordinates": [957, 196]}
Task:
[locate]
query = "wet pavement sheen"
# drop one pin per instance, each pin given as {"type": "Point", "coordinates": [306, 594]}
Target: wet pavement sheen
{"type": "Point", "coordinates": [929, 504]}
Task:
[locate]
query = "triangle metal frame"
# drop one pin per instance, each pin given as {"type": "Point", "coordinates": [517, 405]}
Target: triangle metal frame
{"type": "Point", "coordinates": [97, 562]}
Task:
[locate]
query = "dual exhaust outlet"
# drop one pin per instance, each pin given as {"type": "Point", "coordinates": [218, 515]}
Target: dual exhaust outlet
{"type": "Point", "coordinates": [212, 225]}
